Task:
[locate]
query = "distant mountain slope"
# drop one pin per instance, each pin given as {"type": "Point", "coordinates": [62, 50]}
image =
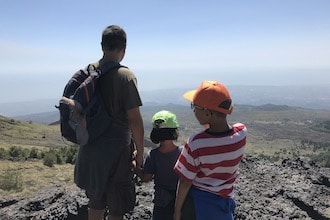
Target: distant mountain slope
{"type": "Point", "coordinates": [313, 97]}
{"type": "Point", "coordinates": [41, 118]}
{"type": "Point", "coordinates": [15, 132]}
{"type": "Point", "coordinates": [22, 133]}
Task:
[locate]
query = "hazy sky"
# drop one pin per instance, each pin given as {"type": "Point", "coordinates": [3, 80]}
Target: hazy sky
{"type": "Point", "coordinates": [172, 43]}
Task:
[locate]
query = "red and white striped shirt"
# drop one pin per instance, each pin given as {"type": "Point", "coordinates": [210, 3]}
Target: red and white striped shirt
{"type": "Point", "coordinates": [211, 161]}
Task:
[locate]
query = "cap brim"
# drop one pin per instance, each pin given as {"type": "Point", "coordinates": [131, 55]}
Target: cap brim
{"type": "Point", "coordinates": [189, 95]}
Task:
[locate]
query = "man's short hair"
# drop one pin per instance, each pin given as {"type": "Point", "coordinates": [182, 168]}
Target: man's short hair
{"type": "Point", "coordinates": [113, 38]}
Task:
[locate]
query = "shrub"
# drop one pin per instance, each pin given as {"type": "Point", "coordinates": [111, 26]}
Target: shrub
{"type": "Point", "coordinates": [34, 153]}
{"type": "Point", "coordinates": [3, 153]}
{"type": "Point", "coordinates": [11, 180]}
{"type": "Point", "coordinates": [59, 157]}
{"type": "Point", "coordinates": [50, 158]}
{"type": "Point", "coordinates": [71, 154]}
{"type": "Point", "coordinates": [25, 153]}
{"type": "Point", "coordinates": [42, 155]}
{"type": "Point", "coordinates": [16, 152]}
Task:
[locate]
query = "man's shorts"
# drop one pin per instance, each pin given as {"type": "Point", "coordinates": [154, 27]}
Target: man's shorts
{"type": "Point", "coordinates": [120, 194]}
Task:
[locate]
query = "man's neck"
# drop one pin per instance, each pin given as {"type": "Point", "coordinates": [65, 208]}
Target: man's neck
{"type": "Point", "coordinates": [113, 55]}
{"type": "Point", "coordinates": [106, 59]}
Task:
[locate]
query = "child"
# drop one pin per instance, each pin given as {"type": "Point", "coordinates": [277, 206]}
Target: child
{"type": "Point", "coordinates": [208, 164]}
{"type": "Point", "coordinates": [159, 164]}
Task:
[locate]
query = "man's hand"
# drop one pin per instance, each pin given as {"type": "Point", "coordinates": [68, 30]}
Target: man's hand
{"type": "Point", "coordinates": [136, 125]}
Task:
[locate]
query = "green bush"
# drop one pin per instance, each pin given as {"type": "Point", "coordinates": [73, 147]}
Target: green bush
{"type": "Point", "coordinates": [11, 180]}
{"type": "Point", "coordinates": [71, 154]}
{"type": "Point", "coordinates": [16, 152]}
{"type": "Point", "coordinates": [50, 158]}
{"type": "Point", "coordinates": [25, 153]}
{"type": "Point", "coordinates": [19, 153]}
{"type": "Point", "coordinates": [42, 154]}
{"type": "Point", "coordinates": [34, 153]}
{"type": "Point", "coordinates": [3, 153]}
{"type": "Point", "coordinates": [60, 158]}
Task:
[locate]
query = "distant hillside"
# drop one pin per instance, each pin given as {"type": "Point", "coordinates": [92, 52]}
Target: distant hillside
{"type": "Point", "coordinates": [15, 132]}
{"type": "Point", "coordinates": [313, 97]}
{"type": "Point", "coordinates": [41, 118]}
{"type": "Point", "coordinates": [276, 131]}
{"type": "Point", "coordinates": [272, 107]}
{"type": "Point", "coordinates": [22, 133]}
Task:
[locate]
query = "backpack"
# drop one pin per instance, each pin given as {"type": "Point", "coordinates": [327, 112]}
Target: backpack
{"type": "Point", "coordinates": [83, 116]}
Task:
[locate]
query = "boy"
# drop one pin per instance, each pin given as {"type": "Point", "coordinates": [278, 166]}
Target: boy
{"type": "Point", "coordinates": [208, 164]}
{"type": "Point", "coordinates": [159, 164]}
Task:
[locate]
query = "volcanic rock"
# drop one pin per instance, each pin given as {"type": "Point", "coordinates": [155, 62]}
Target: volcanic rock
{"type": "Point", "coordinates": [294, 189]}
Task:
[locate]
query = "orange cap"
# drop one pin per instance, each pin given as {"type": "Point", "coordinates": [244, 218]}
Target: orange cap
{"type": "Point", "coordinates": [209, 95]}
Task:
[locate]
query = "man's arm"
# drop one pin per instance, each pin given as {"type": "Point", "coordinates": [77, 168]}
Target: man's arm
{"type": "Point", "coordinates": [136, 125]}
{"type": "Point", "coordinates": [182, 191]}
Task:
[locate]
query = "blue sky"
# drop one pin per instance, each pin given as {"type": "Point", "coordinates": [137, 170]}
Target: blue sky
{"type": "Point", "coordinates": [171, 43]}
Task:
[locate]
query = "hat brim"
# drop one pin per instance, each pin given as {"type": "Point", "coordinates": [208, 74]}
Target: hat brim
{"type": "Point", "coordinates": [190, 95]}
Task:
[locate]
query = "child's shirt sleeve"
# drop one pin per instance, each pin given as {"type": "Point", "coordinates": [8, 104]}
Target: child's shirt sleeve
{"type": "Point", "coordinates": [149, 164]}
{"type": "Point", "coordinates": [187, 165]}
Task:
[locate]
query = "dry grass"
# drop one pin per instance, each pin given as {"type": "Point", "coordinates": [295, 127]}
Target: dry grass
{"type": "Point", "coordinates": [26, 134]}
{"type": "Point", "coordinates": [36, 176]}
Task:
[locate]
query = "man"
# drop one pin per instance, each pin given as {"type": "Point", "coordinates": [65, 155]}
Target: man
{"type": "Point", "coordinates": [104, 167]}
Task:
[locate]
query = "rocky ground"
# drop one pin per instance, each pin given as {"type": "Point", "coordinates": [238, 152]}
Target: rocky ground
{"type": "Point", "coordinates": [294, 189]}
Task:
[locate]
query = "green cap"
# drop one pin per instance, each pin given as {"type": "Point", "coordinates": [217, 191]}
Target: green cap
{"type": "Point", "coordinates": [164, 119]}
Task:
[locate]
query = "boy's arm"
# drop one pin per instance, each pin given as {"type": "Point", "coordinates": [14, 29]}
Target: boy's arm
{"type": "Point", "coordinates": [182, 191]}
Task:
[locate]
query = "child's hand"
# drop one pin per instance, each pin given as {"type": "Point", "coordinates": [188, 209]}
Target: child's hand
{"type": "Point", "coordinates": [134, 164]}
{"type": "Point", "coordinates": [137, 169]}
{"type": "Point", "coordinates": [134, 153]}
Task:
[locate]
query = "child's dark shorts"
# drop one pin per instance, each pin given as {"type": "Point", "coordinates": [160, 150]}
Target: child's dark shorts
{"type": "Point", "coordinates": [120, 194]}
